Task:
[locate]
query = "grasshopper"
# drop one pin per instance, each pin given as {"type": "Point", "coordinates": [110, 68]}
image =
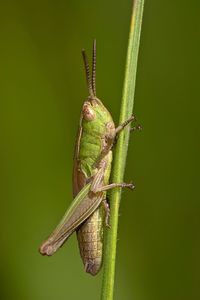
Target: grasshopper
{"type": "Point", "coordinates": [89, 210]}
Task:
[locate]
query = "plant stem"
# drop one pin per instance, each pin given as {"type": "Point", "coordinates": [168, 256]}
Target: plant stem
{"type": "Point", "coordinates": [121, 149]}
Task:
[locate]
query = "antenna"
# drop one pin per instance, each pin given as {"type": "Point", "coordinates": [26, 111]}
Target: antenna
{"type": "Point", "coordinates": [87, 71]}
{"type": "Point", "coordinates": [94, 68]}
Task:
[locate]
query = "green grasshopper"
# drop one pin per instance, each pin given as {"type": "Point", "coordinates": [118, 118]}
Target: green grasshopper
{"type": "Point", "coordinates": [92, 166]}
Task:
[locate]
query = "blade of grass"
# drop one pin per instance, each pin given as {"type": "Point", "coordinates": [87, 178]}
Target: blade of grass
{"type": "Point", "coordinates": [121, 149]}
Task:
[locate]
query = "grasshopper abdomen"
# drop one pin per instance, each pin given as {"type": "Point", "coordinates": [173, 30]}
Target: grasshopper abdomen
{"type": "Point", "coordinates": [90, 237]}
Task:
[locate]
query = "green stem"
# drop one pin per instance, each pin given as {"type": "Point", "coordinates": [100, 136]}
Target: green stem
{"type": "Point", "coordinates": [121, 149]}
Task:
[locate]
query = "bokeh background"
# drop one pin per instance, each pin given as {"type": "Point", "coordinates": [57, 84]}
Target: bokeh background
{"type": "Point", "coordinates": [42, 88]}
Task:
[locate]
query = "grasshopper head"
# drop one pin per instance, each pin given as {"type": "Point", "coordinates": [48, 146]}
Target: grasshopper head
{"type": "Point", "coordinates": [93, 109]}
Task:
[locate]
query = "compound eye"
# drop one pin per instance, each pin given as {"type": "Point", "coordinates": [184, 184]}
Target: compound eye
{"type": "Point", "coordinates": [88, 112]}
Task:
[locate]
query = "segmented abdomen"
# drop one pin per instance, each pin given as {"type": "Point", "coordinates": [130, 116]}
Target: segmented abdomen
{"type": "Point", "coordinates": [90, 238]}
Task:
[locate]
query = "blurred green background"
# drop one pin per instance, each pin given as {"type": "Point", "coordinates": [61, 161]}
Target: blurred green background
{"type": "Point", "coordinates": [42, 88]}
